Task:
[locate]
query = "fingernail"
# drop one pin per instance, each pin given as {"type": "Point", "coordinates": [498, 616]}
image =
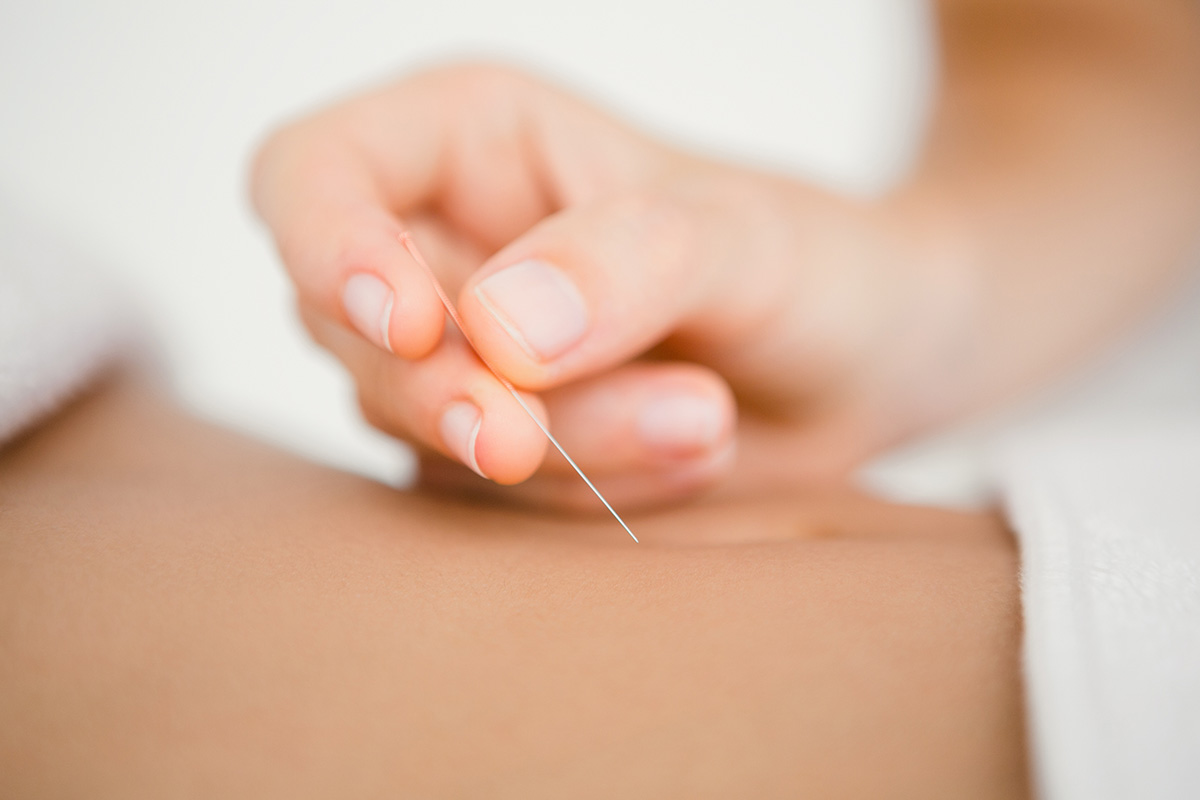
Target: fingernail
{"type": "Point", "coordinates": [368, 303]}
{"type": "Point", "coordinates": [460, 428]}
{"type": "Point", "coordinates": [538, 305]}
{"type": "Point", "coordinates": [681, 424]}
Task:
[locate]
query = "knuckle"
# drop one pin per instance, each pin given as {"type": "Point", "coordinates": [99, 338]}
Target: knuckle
{"type": "Point", "coordinates": [657, 226]}
{"type": "Point", "coordinates": [376, 409]}
{"type": "Point", "coordinates": [312, 321]}
{"type": "Point", "coordinates": [478, 90]}
{"type": "Point", "coordinates": [273, 157]}
{"type": "Point", "coordinates": [476, 79]}
{"type": "Point", "coordinates": [373, 393]}
{"type": "Point", "coordinates": [371, 411]}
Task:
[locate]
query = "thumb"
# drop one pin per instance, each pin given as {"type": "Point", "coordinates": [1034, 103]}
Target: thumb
{"type": "Point", "coordinates": [586, 289]}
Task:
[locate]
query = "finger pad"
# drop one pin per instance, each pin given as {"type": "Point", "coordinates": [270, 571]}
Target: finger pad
{"type": "Point", "coordinates": [510, 446]}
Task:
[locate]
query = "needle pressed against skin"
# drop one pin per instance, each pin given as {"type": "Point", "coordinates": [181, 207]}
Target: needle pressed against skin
{"type": "Point", "coordinates": [407, 240]}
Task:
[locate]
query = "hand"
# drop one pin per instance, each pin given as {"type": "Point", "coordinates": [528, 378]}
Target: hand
{"type": "Point", "coordinates": [664, 312]}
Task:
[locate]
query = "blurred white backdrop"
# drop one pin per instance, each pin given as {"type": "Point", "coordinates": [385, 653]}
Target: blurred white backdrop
{"type": "Point", "coordinates": [129, 124]}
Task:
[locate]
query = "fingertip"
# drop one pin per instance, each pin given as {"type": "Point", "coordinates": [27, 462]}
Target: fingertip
{"type": "Point", "coordinates": [694, 414]}
{"type": "Point", "coordinates": [384, 296]}
{"type": "Point", "coordinates": [459, 426]}
{"type": "Point", "coordinates": [416, 319]}
{"type": "Point", "coordinates": [512, 328]}
{"type": "Point", "coordinates": [510, 447]}
{"type": "Point", "coordinates": [368, 302]}
{"type": "Point", "coordinates": [402, 322]}
{"type": "Point", "coordinates": [582, 291]}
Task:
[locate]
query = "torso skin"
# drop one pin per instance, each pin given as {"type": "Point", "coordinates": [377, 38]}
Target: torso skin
{"type": "Point", "coordinates": [185, 612]}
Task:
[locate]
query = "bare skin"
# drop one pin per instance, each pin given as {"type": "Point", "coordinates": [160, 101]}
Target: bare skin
{"type": "Point", "coordinates": [186, 612]}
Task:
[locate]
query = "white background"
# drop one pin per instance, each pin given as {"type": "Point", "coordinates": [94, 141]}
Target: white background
{"type": "Point", "coordinates": [129, 124]}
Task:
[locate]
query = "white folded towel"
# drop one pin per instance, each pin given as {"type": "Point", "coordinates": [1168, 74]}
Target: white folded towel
{"type": "Point", "coordinates": [1109, 527]}
{"type": "Point", "coordinates": [61, 320]}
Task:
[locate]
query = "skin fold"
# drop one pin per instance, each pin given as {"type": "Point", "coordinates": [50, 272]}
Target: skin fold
{"type": "Point", "coordinates": [186, 612]}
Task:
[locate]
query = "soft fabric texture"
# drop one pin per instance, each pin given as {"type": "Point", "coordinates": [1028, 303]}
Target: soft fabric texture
{"type": "Point", "coordinates": [1109, 527]}
{"type": "Point", "coordinates": [61, 321]}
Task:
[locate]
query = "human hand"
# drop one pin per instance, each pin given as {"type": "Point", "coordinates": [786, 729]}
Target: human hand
{"type": "Point", "coordinates": [662, 310]}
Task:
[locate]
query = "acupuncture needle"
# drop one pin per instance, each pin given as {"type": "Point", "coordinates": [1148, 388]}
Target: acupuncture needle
{"type": "Point", "coordinates": [407, 240]}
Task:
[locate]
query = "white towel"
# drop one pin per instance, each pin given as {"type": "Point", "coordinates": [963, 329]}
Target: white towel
{"type": "Point", "coordinates": [1109, 526]}
{"type": "Point", "coordinates": [61, 321]}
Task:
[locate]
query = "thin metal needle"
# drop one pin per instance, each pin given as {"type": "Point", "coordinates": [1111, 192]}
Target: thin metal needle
{"type": "Point", "coordinates": [407, 240]}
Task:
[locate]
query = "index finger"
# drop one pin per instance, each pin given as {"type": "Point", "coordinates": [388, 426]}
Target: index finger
{"type": "Point", "coordinates": [334, 188]}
